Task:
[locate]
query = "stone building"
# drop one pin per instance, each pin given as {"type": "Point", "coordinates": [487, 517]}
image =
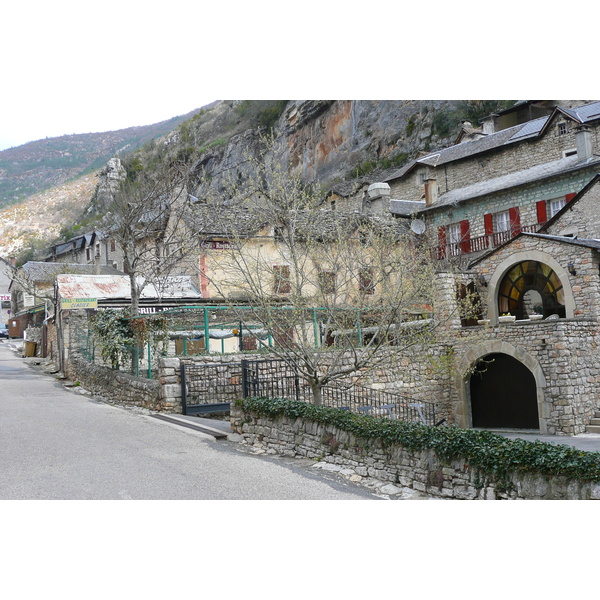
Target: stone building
{"type": "Point", "coordinates": [539, 370]}
{"type": "Point", "coordinates": [92, 248]}
{"type": "Point", "coordinates": [492, 185]}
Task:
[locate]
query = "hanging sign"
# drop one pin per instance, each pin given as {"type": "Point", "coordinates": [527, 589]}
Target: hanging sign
{"type": "Point", "coordinates": [217, 246]}
{"type": "Point", "coordinates": [28, 300]}
{"type": "Point", "coordinates": [77, 303]}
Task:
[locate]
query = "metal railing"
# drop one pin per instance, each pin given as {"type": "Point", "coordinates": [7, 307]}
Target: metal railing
{"type": "Point", "coordinates": [277, 379]}
{"type": "Point", "coordinates": [482, 242]}
{"type": "Point", "coordinates": [209, 388]}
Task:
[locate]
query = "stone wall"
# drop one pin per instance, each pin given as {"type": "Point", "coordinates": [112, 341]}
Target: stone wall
{"type": "Point", "coordinates": [581, 218]}
{"type": "Point", "coordinates": [523, 197]}
{"type": "Point", "coordinates": [417, 470]}
{"type": "Point", "coordinates": [116, 386]}
{"type": "Point", "coordinates": [562, 355]}
{"type": "Point", "coordinates": [510, 158]}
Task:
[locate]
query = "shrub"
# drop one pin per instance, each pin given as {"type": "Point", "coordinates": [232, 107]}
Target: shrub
{"type": "Point", "coordinates": [492, 453]}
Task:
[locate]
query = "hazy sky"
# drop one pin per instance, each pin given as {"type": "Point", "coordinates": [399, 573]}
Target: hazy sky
{"type": "Point", "coordinates": [79, 66]}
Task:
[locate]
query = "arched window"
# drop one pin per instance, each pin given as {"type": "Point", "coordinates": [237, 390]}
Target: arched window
{"type": "Point", "coordinates": [531, 287]}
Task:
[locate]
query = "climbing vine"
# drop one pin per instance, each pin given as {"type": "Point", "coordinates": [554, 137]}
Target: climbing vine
{"type": "Point", "coordinates": [492, 453]}
{"type": "Point", "coordinates": [117, 335]}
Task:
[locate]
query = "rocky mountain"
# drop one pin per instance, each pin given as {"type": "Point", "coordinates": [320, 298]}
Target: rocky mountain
{"type": "Point", "coordinates": [37, 221]}
{"type": "Point", "coordinates": [340, 144]}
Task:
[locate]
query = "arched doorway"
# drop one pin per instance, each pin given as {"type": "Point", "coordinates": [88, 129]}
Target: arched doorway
{"type": "Point", "coordinates": [503, 394]}
{"type": "Point", "coordinates": [531, 287]}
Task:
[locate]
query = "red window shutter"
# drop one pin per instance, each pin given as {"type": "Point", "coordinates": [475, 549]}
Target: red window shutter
{"type": "Point", "coordinates": [488, 223]}
{"type": "Point", "coordinates": [515, 220]}
{"type": "Point", "coordinates": [542, 214]}
{"type": "Point", "coordinates": [570, 197]}
{"type": "Point", "coordinates": [465, 237]}
{"type": "Point", "coordinates": [488, 226]}
{"type": "Point", "coordinates": [441, 242]}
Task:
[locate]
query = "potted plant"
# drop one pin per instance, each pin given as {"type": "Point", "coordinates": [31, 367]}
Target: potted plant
{"type": "Point", "coordinates": [538, 313]}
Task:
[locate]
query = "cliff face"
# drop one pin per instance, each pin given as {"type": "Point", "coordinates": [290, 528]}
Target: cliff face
{"type": "Point", "coordinates": [334, 141]}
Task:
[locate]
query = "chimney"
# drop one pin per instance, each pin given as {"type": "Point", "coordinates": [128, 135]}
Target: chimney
{"type": "Point", "coordinates": [378, 193]}
{"type": "Point", "coordinates": [431, 191]}
{"type": "Point", "coordinates": [583, 139]}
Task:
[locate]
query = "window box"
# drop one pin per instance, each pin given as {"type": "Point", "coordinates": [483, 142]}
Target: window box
{"type": "Point", "coordinates": [507, 319]}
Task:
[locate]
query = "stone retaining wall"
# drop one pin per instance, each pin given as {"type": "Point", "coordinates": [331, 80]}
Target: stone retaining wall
{"type": "Point", "coordinates": [116, 386]}
{"type": "Point", "coordinates": [422, 471]}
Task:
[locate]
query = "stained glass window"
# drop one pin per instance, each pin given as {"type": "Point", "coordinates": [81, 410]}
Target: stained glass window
{"type": "Point", "coordinates": [531, 275]}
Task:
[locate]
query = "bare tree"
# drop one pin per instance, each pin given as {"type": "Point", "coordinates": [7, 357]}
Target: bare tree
{"type": "Point", "coordinates": [335, 289]}
{"type": "Point", "coordinates": [144, 218]}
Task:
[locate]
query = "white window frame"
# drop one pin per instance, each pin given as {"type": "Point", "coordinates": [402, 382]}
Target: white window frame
{"type": "Point", "coordinates": [453, 238]}
{"type": "Point", "coordinates": [555, 205]}
{"type": "Point", "coordinates": [453, 235]}
{"type": "Point", "coordinates": [502, 222]}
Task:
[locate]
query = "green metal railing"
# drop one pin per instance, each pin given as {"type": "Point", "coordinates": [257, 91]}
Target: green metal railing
{"type": "Point", "coordinates": [184, 322]}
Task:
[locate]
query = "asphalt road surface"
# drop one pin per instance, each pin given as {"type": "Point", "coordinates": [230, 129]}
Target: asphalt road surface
{"type": "Point", "coordinates": [56, 444]}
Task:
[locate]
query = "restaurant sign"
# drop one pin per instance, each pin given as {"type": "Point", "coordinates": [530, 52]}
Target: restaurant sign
{"type": "Point", "coordinates": [217, 246]}
{"type": "Point", "coordinates": [77, 303]}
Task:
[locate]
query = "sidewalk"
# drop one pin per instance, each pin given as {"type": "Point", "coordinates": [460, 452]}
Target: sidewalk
{"type": "Point", "coordinates": [589, 442]}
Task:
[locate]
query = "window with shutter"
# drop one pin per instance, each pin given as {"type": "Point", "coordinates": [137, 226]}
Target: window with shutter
{"type": "Point", "coordinates": [281, 279]}
{"type": "Point", "coordinates": [515, 220]}
{"type": "Point", "coordinates": [555, 205]}
{"type": "Point", "coordinates": [542, 214]}
{"type": "Point", "coordinates": [453, 237]}
{"type": "Point", "coordinates": [441, 242]}
{"type": "Point", "coordinates": [465, 237]}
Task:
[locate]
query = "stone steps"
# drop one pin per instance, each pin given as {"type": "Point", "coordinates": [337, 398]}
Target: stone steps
{"type": "Point", "coordinates": [594, 425]}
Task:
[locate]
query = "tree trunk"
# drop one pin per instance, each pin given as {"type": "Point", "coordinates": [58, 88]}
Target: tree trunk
{"type": "Point", "coordinates": [317, 393]}
{"type": "Point", "coordinates": [135, 300]}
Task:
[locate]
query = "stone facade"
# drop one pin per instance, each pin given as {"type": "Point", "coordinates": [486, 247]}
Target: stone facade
{"type": "Point", "coordinates": [422, 471]}
{"type": "Point", "coordinates": [525, 169]}
{"type": "Point", "coordinates": [115, 386]}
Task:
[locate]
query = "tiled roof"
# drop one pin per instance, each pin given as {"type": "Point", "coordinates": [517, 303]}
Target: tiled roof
{"type": "Point", "coordinates": [405, 208]}
{"type": "Point", "coordinates": [488, 142]}
{"type": "Point", "coordinates": [595, 244]}
{"type": "Point", "coordinates": [583, 114]}
{"type": "Point", "coordinates": [511, 180]}
{"type": "Point", "coordinates": [46, 271]}
{"type": "Point", "coordinates": [118, 286]}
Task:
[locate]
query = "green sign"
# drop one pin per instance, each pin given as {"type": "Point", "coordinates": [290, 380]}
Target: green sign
{"type": "Point", "coordinates": [77, 303]}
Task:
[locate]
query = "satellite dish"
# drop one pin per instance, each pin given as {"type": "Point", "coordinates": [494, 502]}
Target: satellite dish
{"type": "Point", "coordinates": [418, 226]}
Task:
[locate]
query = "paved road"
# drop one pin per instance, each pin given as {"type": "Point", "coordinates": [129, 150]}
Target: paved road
{"type": "Point", "coordinates": [56, 444]}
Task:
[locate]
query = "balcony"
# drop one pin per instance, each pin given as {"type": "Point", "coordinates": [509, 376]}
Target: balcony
{"type": "Point", "coordinates": [483, 242]}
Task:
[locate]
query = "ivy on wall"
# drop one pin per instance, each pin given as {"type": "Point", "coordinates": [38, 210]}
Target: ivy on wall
{"type": "Point", "coordinates": [492, 453]}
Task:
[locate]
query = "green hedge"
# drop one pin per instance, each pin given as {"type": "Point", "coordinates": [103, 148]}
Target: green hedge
{"type": "Point", "coordinates": [492, 453]}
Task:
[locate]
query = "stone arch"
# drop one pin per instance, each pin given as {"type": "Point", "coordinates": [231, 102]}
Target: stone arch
{"type": "Point", "coordinates": [473, 355]}
{"type": "Point", "coordinates": [533, 255]}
